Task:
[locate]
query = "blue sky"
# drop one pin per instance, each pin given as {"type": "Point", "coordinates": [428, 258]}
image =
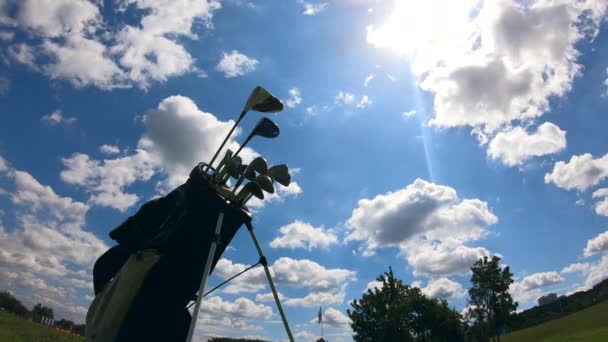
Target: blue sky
{"type": "Point", "coordinates": [421, 136]}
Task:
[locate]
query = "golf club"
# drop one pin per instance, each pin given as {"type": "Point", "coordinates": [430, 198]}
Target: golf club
{"type": "Point", "coordinates": [258, 165]}
{"type": "Point", "coordinates": [260, 100]}
{"type": "Point", "coordinates": [264, 128]}
{"type": "Point", "coordinates": [221, 166]}
{"type": "Point", "coordinates": [266, 183]}
{"type": "Point", "coordinates": [250, 189]}
{"type": "Point", "coordinates": [280, 174]}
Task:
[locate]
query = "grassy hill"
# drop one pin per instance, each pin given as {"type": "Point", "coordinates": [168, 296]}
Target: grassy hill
{"type": "Point", "coordinates": [590, 324]}
{"type": "Point", "coordinates": [17, 329]}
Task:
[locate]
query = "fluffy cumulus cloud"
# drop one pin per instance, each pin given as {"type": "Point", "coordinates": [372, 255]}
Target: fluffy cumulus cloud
{"type": "Point", "coordinates": [235, 64]}
{"type": "Point", "coordinates": [428, 223]}
{"type": "Point", "coordinates": [470, 44]}
{"type": "Point", "coordinates": [56, 118]}
{"type": "Point", "coordinates": [221, 317]}
{"type": "Point", "coordinates": [295, 98]}
{"type": "Point", "coordinates": [109, 149]}
{"type": "Point", "coordinates": [302, 273]}
{"type": "Point", "coordinates": [532, 286]}
{"type": "Point", "coordinates": [69, 36]}
{"type": "Point", "coordinates": [443, 288]}
{"type": "Point", "coordinates": [316, 299]}
{"type": "Point", "coordinates": [45, 254]}
{"type": "Point", "coordinates": [515, 146]}
{"type": "Point", "coordinates": [598, 244]}
{"type": "Point", "coordinates": [601, 207]}
{"type": "Point", "coordinates": [300, 234]}
{"type": "Point", "coordinates": [580, 173]}
{"type": "Point", "coordinates": [333, 318]}
{"type": "Point", "coordinates": [106, 180]}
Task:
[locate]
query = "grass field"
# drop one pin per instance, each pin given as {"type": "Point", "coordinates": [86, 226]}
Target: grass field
{"type": "Point", "coordinates": [17, 329]}
{"type": "Point", "coordinates": [589, 325]}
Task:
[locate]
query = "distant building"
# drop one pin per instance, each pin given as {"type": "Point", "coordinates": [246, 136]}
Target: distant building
{"type": "Point", "coordinates": [550, 298]}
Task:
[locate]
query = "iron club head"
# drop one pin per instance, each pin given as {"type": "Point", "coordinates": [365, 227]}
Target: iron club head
{"type": "Point", "coordinates": [280, 174]}
{"type": "Point", "coordinates": [258, 165]}
{"type": "Point", "coordinates": [266, 183]}
{"type": "Point", "coordinates": [250, 189]}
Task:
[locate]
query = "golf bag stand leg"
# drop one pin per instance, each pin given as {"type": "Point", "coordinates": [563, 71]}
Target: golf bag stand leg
{"type": "Point", "coordinates": [270, 282]}
{"type": "Point", "coordinates": [201, 290]}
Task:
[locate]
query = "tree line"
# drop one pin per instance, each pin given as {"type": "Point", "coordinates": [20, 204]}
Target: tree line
{"type": "Point", "coordinates": [39, 314]}
{"type": "Point", "coordinates": [395, 311]}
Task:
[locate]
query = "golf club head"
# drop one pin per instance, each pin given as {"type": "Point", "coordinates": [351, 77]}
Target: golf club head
{"type": "Point", "coordinates": [250, 189]}
{"type": "Point", "coordinates": [280, 174]}
{"type": "Point", "coordinates": [266, 128]}
{"type": "Point", "coordinates": [259, 165]}
{"type": "Point", "coordinates": [223, 162]}
{"type": "Point", "coordinates": [248, 173]}
{"type": "Point", "coordinates": [231, 169]}
{"type": "Point", "coordinates": [261, 100]}
{"type": "Point", "coordinates": [266, 183]}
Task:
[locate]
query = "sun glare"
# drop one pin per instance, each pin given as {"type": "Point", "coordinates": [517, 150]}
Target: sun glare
{"type": "Point", "coordinates": [416, 25]}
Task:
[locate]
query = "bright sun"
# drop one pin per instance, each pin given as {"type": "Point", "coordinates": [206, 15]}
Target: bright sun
{"type": "Point", "coordinates": [414, 25]}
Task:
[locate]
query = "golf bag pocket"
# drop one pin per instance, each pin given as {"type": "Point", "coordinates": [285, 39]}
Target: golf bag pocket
{"type": "Point", "coordinates": [110, 307]}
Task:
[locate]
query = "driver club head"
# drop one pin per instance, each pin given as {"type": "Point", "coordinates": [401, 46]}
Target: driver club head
{"type": "Point", "coordinates": [265, 128]}
{"type": "Point", "coordinates": [280, 174]}
{"type": "Point", "coordinates": [261, 100]}
{"type": "Point", "coordinates": [266, 183]}
{"type": "Point", "coordinates": [250, 189]}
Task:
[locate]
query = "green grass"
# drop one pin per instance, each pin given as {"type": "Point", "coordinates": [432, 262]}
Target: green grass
{"type": "Point", "coordinates": [17, 329]}
{"type": "Point", "coordinates": [588, 325]}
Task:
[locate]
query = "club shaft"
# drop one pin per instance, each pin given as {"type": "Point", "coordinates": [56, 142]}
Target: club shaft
{"type": "Point", "coordinates": [270, 282]}
{"type": "Point", "coordinates": [201, 290]}
{"type": "Point", "coordinates": [226, 138]}
{"type": "Point", "coordinates": [243, 145]}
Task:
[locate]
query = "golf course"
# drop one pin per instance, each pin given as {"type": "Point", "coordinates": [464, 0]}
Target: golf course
{"type": "Point", "coordinates": [589, 325]}
{"type": "Point", "coordinates": [17, 329]}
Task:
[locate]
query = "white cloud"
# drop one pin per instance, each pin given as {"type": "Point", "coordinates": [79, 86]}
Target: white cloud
{"type": "Point", "coordinates": [316, 299]}
{"type": "Point", "coordinates": [314, 8]}
{"type": "Point", "coordinates": [597, 245]}
{"type": "Point", "coordinates": [109, 149]}
{"type": "Point", "coordinates": [531, 287]}
{"type": "Point", "coordinates": [429, 224]}
{"type": "Point", "coordinates": [542, 279]}
{"type": "Point", "coordinates": [295, 98]}
{"type": "Point", "coordinates": [235, 64]}
{"type": "Point", "coordinates": [601, 207]}
{"type": "Point", "coordinates": [420, 208]}
{"type": "Point", "coordinates": [57, 18]}
{"type": "Point", "coordinates": [24, 54]}
{"type": "Point", "coordinates": [515, 146]}
{"type": "Point", "coordinates": [333, 318]}
{"type": "Point", "coordinates": [373, 285]}
{"type": "Point", "coordinates": [597, 273]}
{"type": "Point", "coordinates": [75, 36]}
{"type": "Point", "coordinates": [56, 118]}
{"type": "Point", "coordinates": [408, 114]}
{"type": "Point", "coordinates": [302, 273]}
{"type": "Point", "coordinates": [364, 102]}
{"type": "Point", "coordinates": [368, 79]}
{"type": "Point", "coordinates": [300, 234]}
{"type": "Point", "coordinates": [241, 308]}
{"type": "Point", "coordinates": [3, 165]}
{"type": "Point", "coordinates": [578, 267]}
{"type": "Point", "coordinates": [46, 255]}
{"type": "Point", "coordinates": [441, 259]}
{"type": "Point", "coordinates": [268, 297]}
{"type": "Point", "coordinates": [443, 288]}
{"type": "Point", "coordinates": [344, 98]}
{"type": "Point", "coordinates": [580, 173]}
{"type": "Point", "coordinates": [458, 51]}
{"type": "Point", "coordinates": [106, 180]}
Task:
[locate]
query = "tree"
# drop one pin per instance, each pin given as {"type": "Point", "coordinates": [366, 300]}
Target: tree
{"type": "Point", "coordinates": [398, 312]}
{"type": "Point", "coordinates": [491, 307]}
{"type": "Point", "coordinates": [11, 304]}
{"type": "Point", "coordinates": [40, 311]}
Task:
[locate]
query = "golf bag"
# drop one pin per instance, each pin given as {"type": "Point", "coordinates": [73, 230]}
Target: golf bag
{"type": "Point", "coordinates": [143, 284]}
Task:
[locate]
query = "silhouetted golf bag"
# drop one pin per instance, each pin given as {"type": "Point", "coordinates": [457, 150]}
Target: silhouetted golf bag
{"type": "Point", "coordinates": [143, 284]}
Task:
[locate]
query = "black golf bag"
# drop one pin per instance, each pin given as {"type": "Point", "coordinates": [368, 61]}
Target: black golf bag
{"type": "Point", "coordinates": [143, 284]}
